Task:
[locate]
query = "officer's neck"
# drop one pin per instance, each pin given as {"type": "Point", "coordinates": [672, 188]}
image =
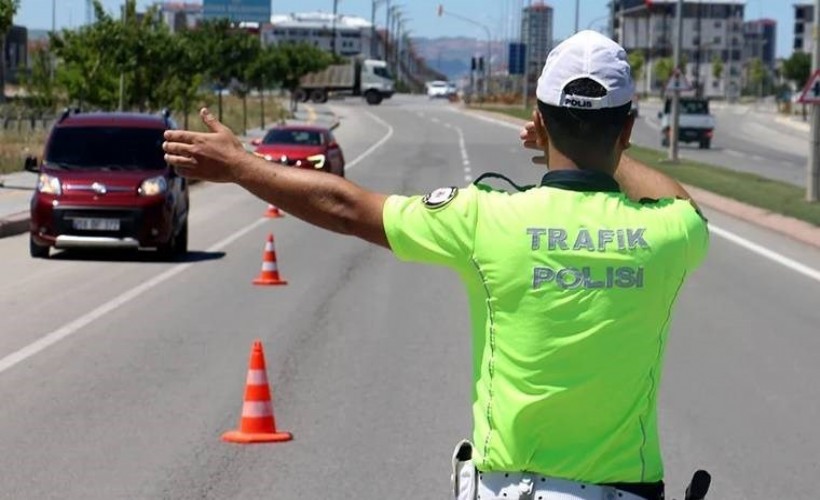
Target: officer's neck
{"type": "Point", "coordinates": [560, 161]}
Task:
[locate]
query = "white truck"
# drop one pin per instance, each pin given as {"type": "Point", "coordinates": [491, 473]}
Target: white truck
{"type": "Point", "coordinates": [368, 78]}
{"type": "Point", "coordinates": [696, 124]}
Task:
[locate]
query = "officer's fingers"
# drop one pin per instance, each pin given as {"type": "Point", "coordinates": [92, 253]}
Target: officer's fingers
{"type": "Point", "coordinates": [178, 148]}
{"type": "Point", "coordinates": [539, 160]}
{"type": "Point", "coordinates": [532, 144]}
{"type": "Point", "coordinates": [212, 123]}
{"type": "Point", "coordinates": [184, 136]}
{"type": "Point", "coordinates": [182, 162]}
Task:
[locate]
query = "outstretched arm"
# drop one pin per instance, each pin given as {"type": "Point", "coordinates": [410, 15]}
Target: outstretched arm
{"type": "Point", "coordinates": [318, 198]}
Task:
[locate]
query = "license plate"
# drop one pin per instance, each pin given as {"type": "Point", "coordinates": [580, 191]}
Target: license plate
{"type": "Point", "coordinates": [97, 224]}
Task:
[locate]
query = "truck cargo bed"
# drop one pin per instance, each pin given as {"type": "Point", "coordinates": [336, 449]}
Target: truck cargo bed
{"type": "Point", "coordinates": [333, 77]}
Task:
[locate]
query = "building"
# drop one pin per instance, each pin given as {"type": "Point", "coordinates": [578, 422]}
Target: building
{"type": "Point", "coordinates": [352, 34]}
{"type": "Point", "coordinates": [181, 15]}
{"type": "Point", "coordinates": [803, 23]}
{"type": "Point", "coordinates": [712, 31]}
{"type": "Point", "coordinates": [536, 35]}
{"type": "Point", "coordinates": [760, 41]}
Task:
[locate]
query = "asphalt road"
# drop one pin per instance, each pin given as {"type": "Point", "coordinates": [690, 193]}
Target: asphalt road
{"type": "Point", "coordinates": [119, 374]}
{"type": "Point", "coordinates": [745, 140]}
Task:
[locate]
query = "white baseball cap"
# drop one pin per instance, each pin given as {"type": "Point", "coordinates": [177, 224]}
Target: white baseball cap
{"type": "Point", "coordinates": [587, 54]}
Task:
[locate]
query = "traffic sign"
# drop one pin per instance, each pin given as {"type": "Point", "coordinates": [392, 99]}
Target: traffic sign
{"type": "Point", "coordinates": [811, 93]}
{"type": "Point", "coordinates": [678, 82]}
{"type": "Point", "coordinates": [518, 57]}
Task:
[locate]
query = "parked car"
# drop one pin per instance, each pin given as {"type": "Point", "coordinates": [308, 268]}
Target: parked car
{"type": "Point", "coordinates": [104, 183]}
{"type": "Point", "coordinates": [302, 146]}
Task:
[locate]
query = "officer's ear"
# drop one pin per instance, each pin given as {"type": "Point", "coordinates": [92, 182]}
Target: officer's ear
{"type": "Point", "coordinates": [625, 138]}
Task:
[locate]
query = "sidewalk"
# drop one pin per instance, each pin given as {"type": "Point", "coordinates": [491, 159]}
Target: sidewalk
{"type": "Point", "coordinates": [16, 188]}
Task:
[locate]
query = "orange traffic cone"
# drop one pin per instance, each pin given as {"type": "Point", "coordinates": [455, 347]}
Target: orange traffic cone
{"type": "Point", "coordinates": [273, 212]}
{"type": "Point", "coordinates": [270, 270]}
{"type": "Point", "coordinates": [257, 424]}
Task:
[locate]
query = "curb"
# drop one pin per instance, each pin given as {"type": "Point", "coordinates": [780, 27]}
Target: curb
{"type": "Point", "coordinates": [790, 227]}
{"type": "Point", "coordinates": [15, 224]}
{"type": "Point", "coordinates": [804, 126]}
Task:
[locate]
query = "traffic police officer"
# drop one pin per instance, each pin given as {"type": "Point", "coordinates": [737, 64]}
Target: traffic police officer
{"type": "Point", "coordinates": [571, 283]}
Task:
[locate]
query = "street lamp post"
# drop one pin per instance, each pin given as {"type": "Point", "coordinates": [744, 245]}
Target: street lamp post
{"type": "Point", "coordinates": [813, 171]}
{"type": "Point", "coordinates": [441, 12]}
{"type": "Point", "coordinates": [333, 40]}
{"type": "Point", "coordinates": [673, 129]}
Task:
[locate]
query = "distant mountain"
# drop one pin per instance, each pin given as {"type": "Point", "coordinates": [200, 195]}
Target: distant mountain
{"type": "Point", "coordinates": [452, 55]}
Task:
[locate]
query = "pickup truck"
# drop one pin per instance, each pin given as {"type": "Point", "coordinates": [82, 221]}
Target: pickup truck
{"type": "Point", "coordinates": [696, 123]}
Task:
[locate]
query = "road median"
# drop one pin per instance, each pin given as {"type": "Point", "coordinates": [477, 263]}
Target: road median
{"type": "Point", "coordinates": [769, 203]}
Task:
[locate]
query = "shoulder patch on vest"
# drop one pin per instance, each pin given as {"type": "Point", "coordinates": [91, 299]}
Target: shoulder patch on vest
{"type": "Point", "coordinates": [440, 197]}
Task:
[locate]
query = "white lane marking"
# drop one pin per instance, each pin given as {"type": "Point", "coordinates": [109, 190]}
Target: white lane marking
{"type": "Point", "coordinates": [736, 154]}
{"type": "Point", "coordinates": [757, 158]}
{"type": "Point", "coordinates": [73, 327]}
{"type": "Point", "coordinates": [765, 252]}
{"type": "Point", "coordinates": [376, 146]}
{"type": "Point", "coordinates": [435, 120]}
{"type": "Point", "coordinates": [465, 158]}
{"type": "Point", "coordinates": [749, 245]}
{"type": "Point", "coordinates": [490, 120]}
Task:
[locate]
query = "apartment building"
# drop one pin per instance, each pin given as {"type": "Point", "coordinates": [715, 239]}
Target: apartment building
{"type": "Point", "coordinates": [181, 15]}
{"type": "Point", "coordinates": [537, 35]}
{"type": "Point", "coordinates": [712, 29]}
{"type": "Point", "coordinates": [803, 27]}
{"type": "Point", "coordinates": [353, 34]}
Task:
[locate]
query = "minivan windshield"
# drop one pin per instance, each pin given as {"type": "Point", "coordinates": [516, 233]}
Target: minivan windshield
{"type": "Point", "coordinates": [106, 148]}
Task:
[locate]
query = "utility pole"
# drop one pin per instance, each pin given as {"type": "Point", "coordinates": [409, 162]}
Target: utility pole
{"type": "Point", "coordinates": [335, 11]}
{"type": "Point", "coordinates": [387, 30]}
{"type": "Point", "coordinates": [51, 59]}
{"type": "Point", "coordinates": [673, 127]}
{"type": "Point", "coordinates": [577, 12]}
{"type": "Point", "coordinates": [813, 180]}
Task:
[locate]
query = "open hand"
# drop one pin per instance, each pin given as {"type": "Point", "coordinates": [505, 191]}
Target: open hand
{"type": "Point", "coordinates": [535, 137]}
{"type": "Point", "coordinates": [211, 156]}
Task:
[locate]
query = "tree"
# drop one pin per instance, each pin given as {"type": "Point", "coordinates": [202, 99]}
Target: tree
{"type": "Point", "coordinates": [263, 73]}
{"type": "Point", "coordinates": [38, 82]}
{"type": "Point", "coordinates": [756, 73]}
{"type": "Point", "coordinates": [663, 69]}
{"type": "Point", "coordinates": [797, 69]}
{"type": "Point", "coordinates": [717, 67]}
{"type": "Point", "coordinates": [8, 8]}
{"type": "Point", "coordinates": [300, 59]}
{"type": "Point", "coordinates": [230, 50]}
{"type": "Point", "coordinates": [637, 61]}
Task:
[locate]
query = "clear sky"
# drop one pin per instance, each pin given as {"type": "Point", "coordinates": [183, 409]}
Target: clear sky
{"type": "Point", "coordinates": [498, 15]}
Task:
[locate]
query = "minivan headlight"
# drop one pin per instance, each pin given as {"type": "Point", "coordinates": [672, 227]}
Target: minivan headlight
{"type": "Point", "coordinates": [318, 161]}
{"type": "Point", "coordinates": [48, 184]}
{"type": "Point", "coordinates": [153, 186]}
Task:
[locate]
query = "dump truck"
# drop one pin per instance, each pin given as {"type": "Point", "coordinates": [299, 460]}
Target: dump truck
{"type": "Point", "coordinates": [368, 78]}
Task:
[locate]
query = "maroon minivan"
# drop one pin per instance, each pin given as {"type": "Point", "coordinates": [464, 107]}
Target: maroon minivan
{"type": "Point", "coordinates": [104, 183]}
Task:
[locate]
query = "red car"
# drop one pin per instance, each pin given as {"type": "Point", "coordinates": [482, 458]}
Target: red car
{"type": "Point", "coordinates": [302, 147]}
{"type": "Point", "coordinates": [104, 183]}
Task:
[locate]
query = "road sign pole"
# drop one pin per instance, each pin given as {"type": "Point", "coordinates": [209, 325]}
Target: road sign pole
{"type": "Point", "coordinates": [813, 175]}
{"type": "Point", "coordinates": [673, 128]}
